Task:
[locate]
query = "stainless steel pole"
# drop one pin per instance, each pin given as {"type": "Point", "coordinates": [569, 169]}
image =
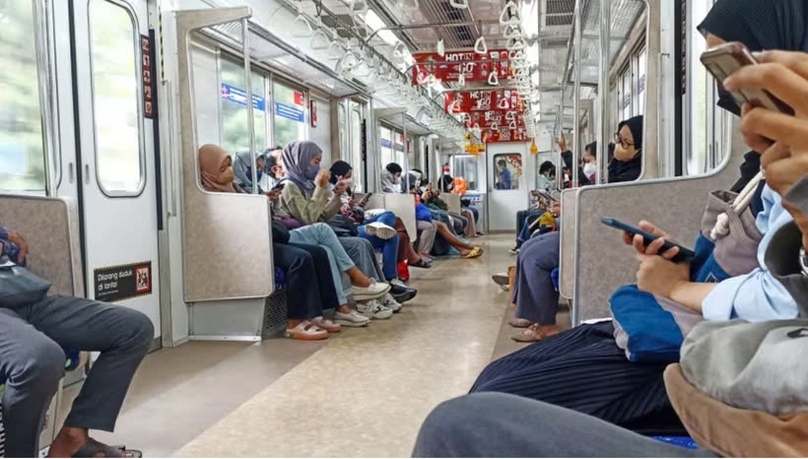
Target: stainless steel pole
{"type": "Point", "coordinates": [603, 91]}
{"type": "Point", "coordinates": [245, 40]}
{"type": "Point", "coordinates": [576, 101]}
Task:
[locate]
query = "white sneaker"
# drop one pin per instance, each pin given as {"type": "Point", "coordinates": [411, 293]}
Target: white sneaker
{"type": "Point", "coordinates": [373, 309]}
{"type": "Point", "coordinates": [351, 319]}
{"type": "Point", "coordinates": [380, 230]}
{"type": "Point", "coordinates": [390, 302]}
{"type": "Point", "coordinates": [375, 290]}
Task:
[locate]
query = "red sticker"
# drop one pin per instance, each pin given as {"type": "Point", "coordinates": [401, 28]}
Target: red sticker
{"type": "Point", "coordinates": [299, 98]}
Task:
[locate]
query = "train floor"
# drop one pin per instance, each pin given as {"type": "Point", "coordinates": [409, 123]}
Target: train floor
{"type": "Point", "coordinates": [363, 392]}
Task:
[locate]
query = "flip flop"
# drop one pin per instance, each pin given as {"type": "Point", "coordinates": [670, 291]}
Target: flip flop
{"type": "Point", "coordinates": [533, 334]}
{"type": "Point", "coordinates": [92, 447]}
{"type": "Point", "coordinates": [520, 323]}
{"type": "Point", "coordinates": [475, 252]}
{"type": "Point", "coordinates": [421, 264]}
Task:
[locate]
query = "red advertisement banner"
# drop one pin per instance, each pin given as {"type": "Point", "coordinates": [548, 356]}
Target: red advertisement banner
{"type": "Point", "coordinates": [494, 120]}
{"type": "Point", "coordinates": [502, 100]}
{"type": "Point", "coordinates": [504, 135]}
{"type": "Point", "coordinates": [457, 63]}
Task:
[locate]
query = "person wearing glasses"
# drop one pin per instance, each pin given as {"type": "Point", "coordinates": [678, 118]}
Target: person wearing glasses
{"type": "Point", "coordinates": [627, 162]}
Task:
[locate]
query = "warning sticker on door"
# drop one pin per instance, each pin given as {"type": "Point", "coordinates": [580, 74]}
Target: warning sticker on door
{"type": "Point", "coordinates": [123, 282]}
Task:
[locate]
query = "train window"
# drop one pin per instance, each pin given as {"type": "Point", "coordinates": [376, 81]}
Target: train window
{"type": "Point", "coordinates": [400, 155]}
{"type": "Point", "coordinates": [342, 122]}
{"type": "Point", "coordinates": [356, 148]}
{"type": "Point", "coordinates": [465, 167]}
{"type": "Point", "coordinates": [22, 152]}
{"type": "Point", "coordinates": [386, 146]}
{"type": "Point", "coordinates": [235, 131]}
{"type": "Point", "coordinates": [290, 114]}
{"type": "Point", "coordinates": [116, 99]}
{"type": "Point", "coordinates": [508, 170]}
{"type": "Point", "coordinates": [642, 61]}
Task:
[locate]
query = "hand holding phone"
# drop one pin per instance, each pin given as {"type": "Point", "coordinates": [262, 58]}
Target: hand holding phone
{"type": "Point", "coordinates": [722, 61]}
{"type": "Point", "coordinates": [649, 243]}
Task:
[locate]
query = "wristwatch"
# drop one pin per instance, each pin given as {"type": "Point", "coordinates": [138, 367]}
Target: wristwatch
{"type": "Point", "coordinates": [803, 262]}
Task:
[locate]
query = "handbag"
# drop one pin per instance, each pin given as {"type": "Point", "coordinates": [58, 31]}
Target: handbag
{"type": "Point", "coordinates": [343, 226]}
{"type": "Point", "coordinates": [20, 287]}
{"type": "Point", "coordinates": [651, 328]}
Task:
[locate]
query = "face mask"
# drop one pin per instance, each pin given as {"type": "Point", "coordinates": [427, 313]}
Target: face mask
{"type": "Point", "coordinates": [397, 180]}
{"type": "Point", "coordinates": [624, 154]}
{"type": "Point", "coordinates": [311, 171]}
{"type": "Point", "coordinates": [727, 102]}
{"type": "Point", "coordinates": [589, 169]}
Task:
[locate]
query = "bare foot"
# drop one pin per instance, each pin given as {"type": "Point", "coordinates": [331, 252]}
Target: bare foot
{"type": "Point", "coordinates": [68, 441]}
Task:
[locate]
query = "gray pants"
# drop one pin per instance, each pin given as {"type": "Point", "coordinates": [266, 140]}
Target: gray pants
{"type": "Point", "coordinates": [362, 254]}
{"type": "Point", "coordinates": [488, 424]}
{"type": "Point", "coordinates": [32, 361]}
{"type": "Point", "coordinates": [426, 235]}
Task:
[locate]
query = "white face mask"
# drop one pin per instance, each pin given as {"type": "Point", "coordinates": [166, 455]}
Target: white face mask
{"type": "Point", "coordinates": [589, 169]}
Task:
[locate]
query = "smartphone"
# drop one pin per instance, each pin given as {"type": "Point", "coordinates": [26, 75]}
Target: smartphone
{"type": "Point", "coordinates": [279, 186]}
{"type": "Point", "coordinates": [722, 61]}
{"type": "Point", "coordinates": [684, 254]}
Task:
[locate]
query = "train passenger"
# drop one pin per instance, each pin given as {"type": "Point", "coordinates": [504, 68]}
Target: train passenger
{"type": "Point", "coordinates": [566, 156]}
{"type": "Point", "coordinates": [242, 169]}
{"type": "Point", "coordinates": [503, 179]}
{"type": "Point", "coordinates": [427, 219]}
{"type": "Point", "coordinates": [217, 175]}
{"type": "Point", "coordinates": [391, 178]}
{"type": "Point", "coordinates": [533, 428]}
{"type": "Point", "coordinates": [546, 179]}
{"type": "Point", "coordinates": [307, 197]}
{"type": "Point", "coordinates": [542, 370]}
{"type": "Point", "coordinates": [591, 161]}
{"type": "Point", "coordinates": [379, 230]}
{"type": "Point", "coordinates": [34, 333]}
{"type": "Point", "coordinates": [457, 185]}
{"type": "Point", "coordinates": [627, 162]}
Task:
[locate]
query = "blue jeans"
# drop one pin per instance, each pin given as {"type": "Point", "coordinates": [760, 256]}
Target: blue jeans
{"type": "Point", "coordinates": [524, 233]}
{"type": "Point", "coordinates": [388, 248]}
{"type": "Point", "coordinates": [322, 235]}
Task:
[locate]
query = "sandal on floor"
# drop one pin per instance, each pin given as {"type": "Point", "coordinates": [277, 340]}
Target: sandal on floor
{"type": "Point", "coordinates": [306, 330]}
{"type": "Point", "coordinates": [326, 324]}
{"type": "Point", "coordinates": [535, 333]}
{"type": "Point", "coordinates": [475, 252]}
{"type": "Point", "coordinates": [421, 264]}
{"type": "Point", "coordinates": [92, 448]}
{"type": "Point", "coordinates": [520, 323]}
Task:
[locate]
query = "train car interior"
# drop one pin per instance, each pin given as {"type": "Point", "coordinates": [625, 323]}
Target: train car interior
{"type": "Point", "coordinates": [392, 228]}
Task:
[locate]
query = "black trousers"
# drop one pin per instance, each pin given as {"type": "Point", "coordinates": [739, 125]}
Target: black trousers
{"type": "Point", "coordinates": [309, 283]}
{"type": "Point", "coordinates": [583, 369]}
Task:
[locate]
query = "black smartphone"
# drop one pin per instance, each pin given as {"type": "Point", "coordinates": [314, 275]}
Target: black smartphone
{"type": "Point", "coordinates": [684, 254]}
{"type": "Point", "coordinates": [279, 186]}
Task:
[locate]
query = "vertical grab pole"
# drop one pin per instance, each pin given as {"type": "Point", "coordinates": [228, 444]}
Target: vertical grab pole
{"type": "Point", "coordinates": [404, 148]}
{"type": "Point", "coordinates": [603, 90]}
{"type": "Point", "coordinates": [245, 40]}
{"type": "Point", "coordinates": [576, 96]}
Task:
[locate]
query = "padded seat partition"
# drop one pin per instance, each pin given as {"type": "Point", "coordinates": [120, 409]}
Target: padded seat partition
{"type": "Point", "coordinates": [567, 244]}
{"type": "Point", "coordinates": [226, 237]}
{"type": "Point", "coordinates": [50, 227]}
{"type": "Point", "coordinates": [453, 200]}
{"type": "Point", "coordinates": [403, 206]}
{"type": "Point", "coordinates": [603, 262]}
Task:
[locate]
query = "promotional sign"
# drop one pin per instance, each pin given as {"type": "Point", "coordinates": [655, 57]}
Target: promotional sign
{"type": "Point", "coordinates": [123, 282]}
{"type": "Point", "coordinates": [494, 120]}
{"type": "Point", "coordinates": [504, 135]}
{"type": "Point", "coordinates": [145, 52]}
{"type": "Point", "coordinates": [456, 63]}
{"type": "Point", "coordinates": [502, 100]}
{"type": "Point", "coordinates": [239, 96]}
{"type": "Point", "coordinates": [290, 112]}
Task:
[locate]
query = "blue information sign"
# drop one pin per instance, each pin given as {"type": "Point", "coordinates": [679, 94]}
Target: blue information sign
{"type": "Point", "coordinates": [239, 96]}
{"type": "Point", "coordinates": [289, 111]}
{"type": "Point", "coordinates": [387, 143]}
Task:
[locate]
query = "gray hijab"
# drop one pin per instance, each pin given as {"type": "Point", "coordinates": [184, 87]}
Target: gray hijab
{"type": "Point", "coordinates": [242, 168]}
{"type": "Point", "coordinates": [297, 158]}
{"type": "Point", "coordinates": [389, 184]}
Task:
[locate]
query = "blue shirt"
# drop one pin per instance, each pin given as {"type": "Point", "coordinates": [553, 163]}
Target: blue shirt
{"type": "Point", "coordinates": [504, 180]}
{"type": "Point", "coordinates": [10, 249]}
{"type": "Point", "coordinates": [756, 296]}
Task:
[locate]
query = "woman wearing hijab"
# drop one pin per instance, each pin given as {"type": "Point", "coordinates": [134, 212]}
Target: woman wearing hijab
{"type": "Point", "coordinates": [391, 178]}
{"type": "Point", "coordinates": [627, 163]}
{"type": "Point", "coordinates": [572, 368]}
{"type": "Point", "coordinates": [308, 198]}
{"type": "Point", "coordinates": [243, 170]}
{"type": "Point", "coordinates": [217, 175]}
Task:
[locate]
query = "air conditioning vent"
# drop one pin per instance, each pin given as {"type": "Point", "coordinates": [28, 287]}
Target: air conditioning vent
{"type": "Point", "coordinates": [558, 13]}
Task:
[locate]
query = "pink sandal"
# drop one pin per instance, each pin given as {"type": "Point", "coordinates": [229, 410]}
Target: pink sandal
{"type": "Point", "coordinates": [307, 331]}
{"type": "Point", "coordinates": [326, 324]}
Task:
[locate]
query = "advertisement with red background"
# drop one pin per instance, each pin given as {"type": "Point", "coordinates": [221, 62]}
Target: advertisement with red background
{"type": "Point", "coordinates": [504, 135]}
{"type": "Point", "coordinates": [502, 100]}
{"type": "Point", "coordinates": [473, 71]}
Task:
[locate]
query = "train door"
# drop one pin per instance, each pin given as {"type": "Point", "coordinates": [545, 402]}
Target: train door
{"type": "Point", "coordinates": [117, 162]}
{"type": "Point", "coordinates": [506, 188]}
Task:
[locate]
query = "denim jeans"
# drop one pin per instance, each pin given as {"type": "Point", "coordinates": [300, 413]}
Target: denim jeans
{"type": "Point", "coordinates": [322, 235]}
{"type": "Point", "coordinates": [388, 248]}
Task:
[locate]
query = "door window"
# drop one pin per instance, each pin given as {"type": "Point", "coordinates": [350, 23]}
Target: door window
{"type": "Point", "coordinates": [22, 152]}
{"type": "Point", "coordinates": [116, 97]}
{"type": "Point", "coordinates": [356, 149]}
{"type": "Point", "coordinates": [465, 167]}
{"type": "Point", "coordinates": [507, 171]}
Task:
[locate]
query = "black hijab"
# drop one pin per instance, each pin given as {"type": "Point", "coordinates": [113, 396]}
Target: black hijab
{"type": "Point", "coordinates": [339, 169]}
{"type": "Point", "coordinates": [760, 25]}
{"type": "Point", "coordinates": [635, 126]}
